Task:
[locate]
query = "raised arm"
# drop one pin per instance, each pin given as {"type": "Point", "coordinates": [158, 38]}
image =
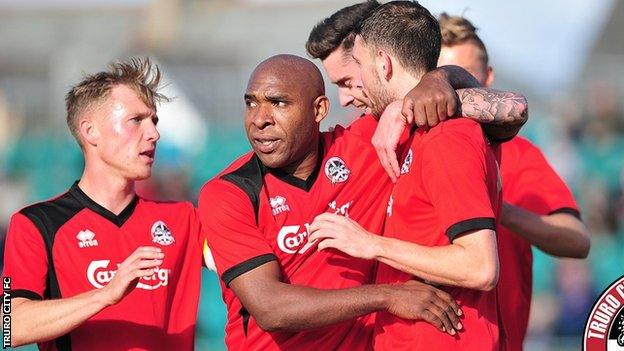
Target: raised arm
{"type": "Point", "coordinates": [435, 99]}
{"type": "Point", "coordinates": [502, 113]}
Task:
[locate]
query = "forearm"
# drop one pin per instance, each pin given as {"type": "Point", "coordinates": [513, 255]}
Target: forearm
{"type": "Point", "coordinates": [501, 113]}
{"type": "Point", "coordinates": [294, 308]}
{"type": "Point", "coordinates": [38, 321]}
{"type": "Point", "coordinates": [558, 234]}
{"type": "Point", "coordinates": [448, 265]}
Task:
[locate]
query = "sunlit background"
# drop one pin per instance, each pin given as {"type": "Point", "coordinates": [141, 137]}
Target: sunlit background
{"type": "Point", "coordinates": [566, 56]}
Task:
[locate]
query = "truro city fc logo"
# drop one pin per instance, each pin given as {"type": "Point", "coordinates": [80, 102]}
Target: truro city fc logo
{"type": "Point", "coordinates": [161, 234]}
{"type": "Point", "coordinates": [336, 170]}
{"type": "Point", "coordinates": [604, 329]}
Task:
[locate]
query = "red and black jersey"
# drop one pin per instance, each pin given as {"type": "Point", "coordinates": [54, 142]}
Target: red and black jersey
{"type": "Point", "coordinates": [70, 245]}
{"type": "Point", "coordinates": [449, 185]}
{"type": "Point", "coordinates": [253, 215]}
{"type": "Point", "coordinates": [531, 183]}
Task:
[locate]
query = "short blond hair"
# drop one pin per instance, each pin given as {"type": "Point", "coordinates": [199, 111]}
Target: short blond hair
{"type": "Point", "coordinates": [139, 74]}
{"type": "Point", "coordinates": [457, 30]}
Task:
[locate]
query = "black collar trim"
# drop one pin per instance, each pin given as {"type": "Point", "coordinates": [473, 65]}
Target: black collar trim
{"type": "Point", "coordinates": [307, 184]}
{"type": "Point", "coordinates": [87, 202]}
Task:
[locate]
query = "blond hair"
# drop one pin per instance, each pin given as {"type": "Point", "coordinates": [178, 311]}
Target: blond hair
{"type": "Point", "coordinates": [139, 74]}
{"type": "Point", "coordinates": [457, 30]}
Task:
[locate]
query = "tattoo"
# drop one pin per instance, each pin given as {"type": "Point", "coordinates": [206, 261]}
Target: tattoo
{"type": "Point", "coordinates": [506, 109]}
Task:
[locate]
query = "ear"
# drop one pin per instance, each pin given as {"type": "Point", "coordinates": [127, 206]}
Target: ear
{"type": "Point", "coordinates": [321, 108]}
{"type": "Point", "coordinates": [88, 131]}
{"type": "Point", "coordinates": [384, 64]}
{"type": "Point", "coordinates": [489, 76]}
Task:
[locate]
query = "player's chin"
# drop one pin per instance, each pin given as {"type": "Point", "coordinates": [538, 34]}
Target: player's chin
{"type": "Point", "coordinates": [142, 173]}
{"type": "Point", "coordinates": [274, 159]}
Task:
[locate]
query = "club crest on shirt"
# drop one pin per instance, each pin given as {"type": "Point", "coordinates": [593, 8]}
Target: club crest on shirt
{"type": "Point", "coordinates": [604, 329]}
{"type": "Point", "coordinates": [86, 238]}
{"type": "Point", "coordinates": [161, 234]}
{"type": "Point", "coordinates": [407, 162]}
{"type": "Point", "coordinates": [336, 170]}
{"type": "Point", "coordinates": [278, 205]}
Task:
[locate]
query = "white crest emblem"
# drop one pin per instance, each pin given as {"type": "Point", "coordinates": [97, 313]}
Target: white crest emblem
{"type": "Point", "coordinates": [389, 208]}
{"type": "Point", "coordinates": [407, 162]}
{"type": "Point", "coordinates": [161, 234]}
{"type": "Point", "coordinates": [278, 205]}
{"type": "Point", "coordinates": [336, 170]}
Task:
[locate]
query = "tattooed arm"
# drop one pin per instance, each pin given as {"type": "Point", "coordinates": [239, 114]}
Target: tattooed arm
{"type": "Point", "coordinates": [502, 113]}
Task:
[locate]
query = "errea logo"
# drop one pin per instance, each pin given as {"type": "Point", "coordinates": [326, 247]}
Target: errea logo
{"type": "Point", "coordinates": [278, 205]}
{"type": "Point", "coordinates": [86, 238]}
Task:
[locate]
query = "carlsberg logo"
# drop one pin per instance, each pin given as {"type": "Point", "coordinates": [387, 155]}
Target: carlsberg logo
{"type": "Point", "coordinates": [99, 275]}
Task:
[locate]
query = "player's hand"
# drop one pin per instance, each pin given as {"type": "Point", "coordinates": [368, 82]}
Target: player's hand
{"type": "Point", "coordinates": [387, 135]}
{"type": "Point", "coordinates": [139, 264]}
{"type": "Point", "coordinates": [431, 101]}
{"type": "Point", "coordinates": [342, 233]}
{"type": "Point", "coordinates": [416, 300]}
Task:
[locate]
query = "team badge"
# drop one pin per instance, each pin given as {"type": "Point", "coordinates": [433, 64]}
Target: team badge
{"type": "Point", "coordinates": [407, 162]}
{"type": "Point", "coordinates": [336, 170]}
{"type": "Point", "coordinates": [161, 234]}
{"type": "Point", "coordinates": [604, 329]}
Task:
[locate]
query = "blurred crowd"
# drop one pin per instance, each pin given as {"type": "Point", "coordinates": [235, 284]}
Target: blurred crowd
{"type": "Point", "coordinates": [582, 136]}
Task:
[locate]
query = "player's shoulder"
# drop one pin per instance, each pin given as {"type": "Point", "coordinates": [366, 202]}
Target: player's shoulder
{"type": "Point", "coordinates": [521, 143]}
{"type": "Point", "coordinates": [60, 206]}
{"type": "Point", "coordinates": [456, 129]}
{"type": "Point", "coordinates": [246, 174]}
{"type": "Point", "coordinates": [177, 207]}
{"type": "Point", "coordinates": [237, 164]}
{"type": "Point", "coordinates": [520, 148]}
{"type": "Point", "coordinates": [356, 136]}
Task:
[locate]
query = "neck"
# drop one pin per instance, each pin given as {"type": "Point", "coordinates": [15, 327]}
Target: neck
{"type": "Point", "coordinates": [112, 192]}
{"type": "Point", "coordinates": [304, 168]}
{"type": "Point", "coordinates": [404, 81]}
{"type": "Point", "coordinates": [405, 85]}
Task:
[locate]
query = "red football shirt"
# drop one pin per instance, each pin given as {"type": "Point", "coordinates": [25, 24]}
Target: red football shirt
{"type": "Point", "coordinates": [449, 186]}
{"type": "Point", "coordinates": [252, 215]}
{"type": "Point", "coordinates": [70, 244]}
{"type": "Point", "coordinates": [529, 182]}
